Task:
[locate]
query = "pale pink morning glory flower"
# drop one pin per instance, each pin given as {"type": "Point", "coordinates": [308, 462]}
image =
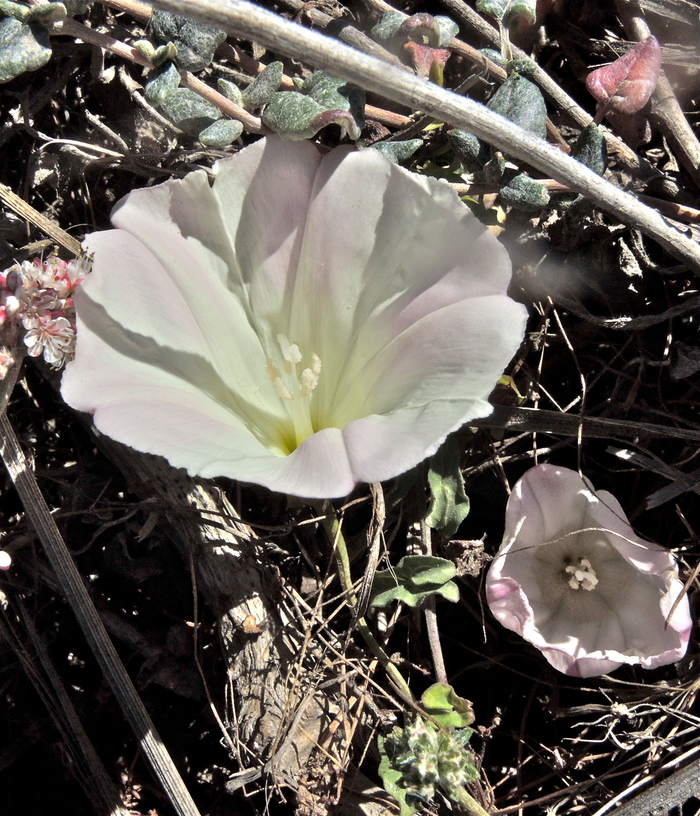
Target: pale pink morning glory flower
{"type": "Point", "coordinates": [574, 579]}
{"type": "Point", "coordinates": [305, 323]}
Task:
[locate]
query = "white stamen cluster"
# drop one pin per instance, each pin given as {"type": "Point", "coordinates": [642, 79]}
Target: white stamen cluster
{"type": "Point", "coordinates": [295, 388]}
{"type": "Point", "coordinates": [582, 576]}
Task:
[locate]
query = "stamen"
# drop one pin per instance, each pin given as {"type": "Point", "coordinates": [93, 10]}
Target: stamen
{"type": "Point", "coordinates": [290, 351]}
{"type": "Point", "coordinates": [582, 576]}
{"type": "Point", "coordinates": [295, 389]}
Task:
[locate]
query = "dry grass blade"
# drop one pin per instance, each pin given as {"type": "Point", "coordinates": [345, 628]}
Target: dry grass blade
{"type": "Point", "coordinates": [48, 684]}
{"type": "Point", "coordinates": [77, 596]}
{"type": "Point", "coordinates": [26, 211]}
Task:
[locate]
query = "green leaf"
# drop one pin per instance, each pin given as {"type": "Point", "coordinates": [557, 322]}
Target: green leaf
{"type": "Point", "coordinates": [189, 111]}
{"type": "Point", "coordinates": [524, 66]}
{"type": "Point", "coordinates": [162, 85]}
{"type": "Point", "coordinates": [524, 193]}
{"type": "Point", "coordinates": [398, 151]}
{"type": "Point", "coordinates": [470, 150]}
{"type": "Point", "coordinates": [414, 578]}
{"type": "Point", "coordinates": [290, 115]}
{"type": "Point", "coordinates": [220, 134]}
{"type": "Point", "coordinates": [230, 91]}
{"type": "Point", "coordinates": [22, 48]}
{"type": "Point", "coordinates": [195, 43]}
{"type": "Point", "coordinates": [591, 149]}
{"type": "Point", "coordinates": [451, 711]}
{"type": "Point", "coordinates": [507, 10]}
{"type": "Point", "coordinates": [449, 504]}
{"type": "Point", "coordinates": [391, 777]}
{"type": "Point", "coordinates": [333, 93]}
{"type": "Point", "coordinates": [16, 10]}
{"type": "Point", "coordinates": [522, 102]}
{"type": "Point", "coordinates": [264, 86]}
{"type": "Point", "coordinates": [447, 30]}
{"type": "Point", "coordinates": [46, 13]}
{"type": "Point", "coordinates": [387, 27]}
{"type": "Point", "coordinates": [322, 100]}
{"type": "Point", "coordinates": [76, 7]}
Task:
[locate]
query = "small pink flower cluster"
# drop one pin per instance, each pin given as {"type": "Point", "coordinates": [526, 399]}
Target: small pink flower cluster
{"type": "Point", "coordinates": [39, 295]}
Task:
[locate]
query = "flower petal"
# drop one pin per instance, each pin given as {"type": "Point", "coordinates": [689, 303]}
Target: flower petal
{"type": "Point", "coordinates": [554, 519]}
{"type": "Point", "coordinates": [427, 383]}
{"type": "Point", "coordinates": [382, 249]}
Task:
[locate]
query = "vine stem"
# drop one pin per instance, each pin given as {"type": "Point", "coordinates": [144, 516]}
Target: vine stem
{"type": "Point", "coordinates": [248, 21]}
{"type": "Point", "coordinates": [331, 525]}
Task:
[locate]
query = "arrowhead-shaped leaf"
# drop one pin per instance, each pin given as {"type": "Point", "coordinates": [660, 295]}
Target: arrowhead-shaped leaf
{"type": "Point", "coordinates": [443, 704]}
{"type": "Point", "coordinates": [414, 578]}
{"type": "Point", "coordinates": [625, 85]}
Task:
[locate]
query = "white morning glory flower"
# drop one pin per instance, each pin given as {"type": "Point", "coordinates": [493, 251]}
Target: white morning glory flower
{"type": "Point", "coordinates": [574, 579]}
{"type": "Point", "coordinates": [305, 323]}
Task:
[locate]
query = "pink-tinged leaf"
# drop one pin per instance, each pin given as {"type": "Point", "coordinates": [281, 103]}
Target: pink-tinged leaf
{"type": "Point", "coordinates": [625, 85]}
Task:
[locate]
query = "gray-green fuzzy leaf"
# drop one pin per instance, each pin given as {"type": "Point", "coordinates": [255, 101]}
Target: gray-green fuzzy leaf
{"type": "Point", "coordinates": [471, 151]}
{"type": "Point", "coordinates": [524, 193]}
{"type": "Point", "coordinates": [591, 149]}
{"type": "Point", "coordinates": [263, 87]}
{"type": "Point", "coordinates": [220, 134]}
{"type": "Point", "coordinates": [290, 114]}
{"type": "Point", "coordinates": [387, 27]}
{"type": "Point", "coordinates": [230, 91]}
{"type": "Point", "coordinates": [195, 43]}
{"type": "Point", "coordinates": [508, 10]}
{"type": "Point", "coordinates": [522, 102]}
{"type": "Point", "coordinates": [333, 93]}
{"type": "Point", "coordinates": [447, 30]}
{"type": "Point", "coordinates": [189, 111]}
{"type": "Point", "coordinates": [162, 85]}
{"type": "Point", "coordinates": [22, 48]}
{"type": "Point", "coordinates": [398, 151]}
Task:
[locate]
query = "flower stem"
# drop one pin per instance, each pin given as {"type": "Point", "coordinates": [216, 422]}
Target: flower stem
{"type": "Point", "coordinates": [431, 615]}
{"type": "Point", "coordinates": [331, 525]}
{"type": "Point", "coordinates": [468, 802]}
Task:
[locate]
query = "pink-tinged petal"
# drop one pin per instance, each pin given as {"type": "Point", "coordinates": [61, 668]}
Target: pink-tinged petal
{"type": "Point", "coordinates": [567, 551]}
{"type": "Point", "coordinates": [414, 392]}
{"type": "Point", "coordinates": [263, 196]}
{"type": "Point", "coordinates": [384, 248]}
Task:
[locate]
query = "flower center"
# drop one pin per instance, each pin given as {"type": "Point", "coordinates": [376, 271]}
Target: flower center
{"type": "Point", "coordinates": [295, 389]}
{"type": "Point", "coordinates": [581, 575]}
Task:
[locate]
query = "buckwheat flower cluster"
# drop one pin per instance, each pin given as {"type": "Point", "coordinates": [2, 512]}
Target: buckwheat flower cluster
{"type": "Point", "coordinates": [39, 294]}
{"type": "Point", "coordinates": [306, 322]}
{"type": "Point", "coordinates": [574, 579]}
